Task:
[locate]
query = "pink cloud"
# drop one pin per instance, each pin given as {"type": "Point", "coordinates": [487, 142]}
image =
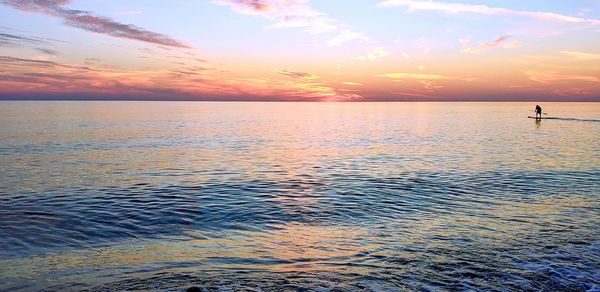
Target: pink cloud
{"type": "Point", "coordinates": [295, 14]}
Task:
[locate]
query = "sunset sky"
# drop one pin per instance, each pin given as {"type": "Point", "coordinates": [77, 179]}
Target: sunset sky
{"type": "Point", "coordinates": [319, 50]}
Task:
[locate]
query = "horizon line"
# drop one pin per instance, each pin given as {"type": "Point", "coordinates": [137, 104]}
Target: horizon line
{"type": "Point", "coordinates": [295, 101]}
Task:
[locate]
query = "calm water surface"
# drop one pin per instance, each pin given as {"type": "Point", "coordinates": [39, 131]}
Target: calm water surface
{"type": "Point", "coordinates": [319, 196]}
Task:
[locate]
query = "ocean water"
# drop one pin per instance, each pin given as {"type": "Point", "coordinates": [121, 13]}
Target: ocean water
{"type": "Point", "coordinates": [299, 196]}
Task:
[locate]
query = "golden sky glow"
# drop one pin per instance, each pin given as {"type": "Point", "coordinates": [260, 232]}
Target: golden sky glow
{"type": "Point", "coordinates": [300, 50]}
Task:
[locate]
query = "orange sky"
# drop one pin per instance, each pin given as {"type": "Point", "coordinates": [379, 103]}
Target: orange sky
{"type": "Point", "coordinates": [300, 50]}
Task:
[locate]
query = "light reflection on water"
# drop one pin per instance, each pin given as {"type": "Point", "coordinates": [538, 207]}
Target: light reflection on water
{"type": "Point", "coordinates": [375, 196]}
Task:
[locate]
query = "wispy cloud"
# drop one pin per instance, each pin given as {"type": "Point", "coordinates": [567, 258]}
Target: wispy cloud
{"type": "Point", "coordinates": [299, 75]}
{"type": "Point", "coordinates": [346, 36]}
{"type": "Point", "coordinates": [549, 76]}
{"type": "Point", "coordinates": [91, 61]}
{"type": "Point", "coordinates": [289, 13]}
{"type": "Point", "coordinates": [12, 39]}
{"type": "Point", "coordinates": [248, 6]}
{"type": "Point", "coordinates": [47, 51]}
{"type": "Point", "coordinates": [87, 21]}
{"type": "Point", "coordinates": [496, 43]}
{"type": "Point", "coordinates": [43, 66]}
{"type": "Point", "coordinates": [43, 78]}
{"type": "Point", "coordinates": [295, 14]}
{"type": "Point", "coordinates": [482, 9]}
{"type": "Point", "coordinates": [580, 55]}
{"type": "Point", "coordinates": [375, 54]}
{"type": "Point", "coordinates": [52, 79]}
{"type": "Point", "coordinates": [571, 91]}
{"type": "Point", "coordinates": [428, 82]}
{"type": "Point", "coordinates": [416, 76]}
{"type": "Point", "coordinates": [429, 85]}
{"type": "Point", "coordinates": [464, 40]}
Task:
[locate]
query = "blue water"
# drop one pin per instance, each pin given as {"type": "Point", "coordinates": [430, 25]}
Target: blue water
{"type": "Point", "coordinates": [318, 196]}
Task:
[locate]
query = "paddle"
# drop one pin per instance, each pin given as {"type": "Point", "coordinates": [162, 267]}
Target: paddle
{"type": "Point", "coordinates": [534, 112]}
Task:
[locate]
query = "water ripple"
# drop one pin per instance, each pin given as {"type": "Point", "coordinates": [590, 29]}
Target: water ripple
{"type": "Point", "coordinates": [324, 197]}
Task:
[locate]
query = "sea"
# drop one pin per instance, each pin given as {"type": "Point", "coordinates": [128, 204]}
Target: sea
{"type": "Point", "coordinates": [283, 196]}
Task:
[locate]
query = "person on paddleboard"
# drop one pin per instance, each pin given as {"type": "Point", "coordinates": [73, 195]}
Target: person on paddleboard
{"type": "Point", "coordinates": [538, 111]}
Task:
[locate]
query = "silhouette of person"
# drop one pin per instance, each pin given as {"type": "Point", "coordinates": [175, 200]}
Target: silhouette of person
{"type": "Point", "coordinates": [538, 111]}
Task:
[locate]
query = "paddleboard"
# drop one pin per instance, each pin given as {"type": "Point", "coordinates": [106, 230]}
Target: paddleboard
{"type": "Point", "coordinates": [565, 119]}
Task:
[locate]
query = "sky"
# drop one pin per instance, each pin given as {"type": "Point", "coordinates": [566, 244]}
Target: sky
{"type": "Point", "coordinates": [301, 50]}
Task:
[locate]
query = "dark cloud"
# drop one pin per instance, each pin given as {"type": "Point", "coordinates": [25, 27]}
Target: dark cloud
{"type": "Point", "coordinates": [8, 61]}
{"type": "Point", "coordinates": [87, 21]}
{"type": "Point", "coordinates": [47, 51]}
{"type": "Point", "coordinates": [191, 70]}
{"type": "Point", "coordinates": [80, 82]}
{"type": "Point", "coordinates": [19, 78]}
{"type": "Point", "coordinates": [12, 39]}
{"type": "Point", "coordinates": [91, 61]}
{"type": "Point", "coordinates": [297, 74]}
{"type": "Point", "coordinates": [256, 5]}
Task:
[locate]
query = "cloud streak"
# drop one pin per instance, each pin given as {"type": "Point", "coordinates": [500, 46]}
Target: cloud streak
{"type": "Point", "coordinates": [581, 56]}
{"type": "Point", "coordinates": [33, 78]}
{"type": "Point", "coordinates": [345, 37]}
{"type": "Point", "coordinates": [298, 75]}
{"type": "Point", "coordinates": [247, 6]}
{"type": "Point", "coordinates": [11, 39]}
{"type": "Point", "coordinates": [496, 43]}
{"type": "Point", "coordinates": [47, 51]}
{"type": "Point", "coordinates": [549, 76]}
{"type": "Point", "coordinates": [448, 7]}
{"type": "Point", "coordinates": [417, 76]}
{"type": "Point", "coordinates": [87, 21]}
